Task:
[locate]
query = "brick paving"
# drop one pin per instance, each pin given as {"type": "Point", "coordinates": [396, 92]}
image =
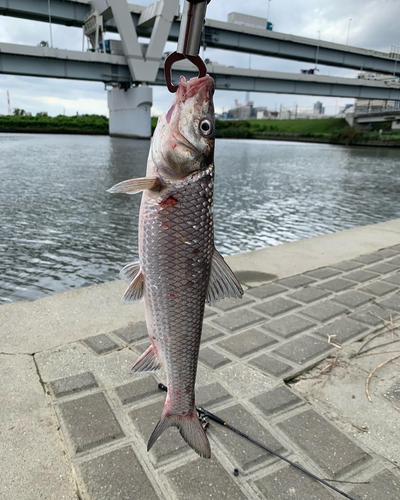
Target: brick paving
{"type": "Point", "coordinates": [249, 349]}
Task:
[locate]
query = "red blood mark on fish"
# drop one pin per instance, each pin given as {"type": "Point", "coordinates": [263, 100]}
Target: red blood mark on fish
{"type": "Point", "coordinates": [189, 283]}
{"type": "Point", "coordinates": [171, 296]}
{"type": "Point", "coordinates": [174, 146]}
{"type": "Point", "coordinates": [169, 114]}
{"type": "Point", "coordinates": [165, 226]}
{"type": "Point", "coordinates": [196, 251]}
{"type": "Point", "coordinates": [168, 202]}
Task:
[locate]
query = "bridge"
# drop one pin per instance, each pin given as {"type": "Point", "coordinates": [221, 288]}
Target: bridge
{"type": "Point", "coordinates": [375, 116]}
{"type": "Point", "coordinates": [143, 64]}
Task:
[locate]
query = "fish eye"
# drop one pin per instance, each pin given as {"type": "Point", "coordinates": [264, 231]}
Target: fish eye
{"type": "Point", "coordinates": [206, 127]}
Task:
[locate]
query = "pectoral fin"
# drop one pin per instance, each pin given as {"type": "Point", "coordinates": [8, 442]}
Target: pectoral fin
{"type": "Point", "coordinates": [223, 283]}
{"type": "Point", "coordinates": [134, 292]}
{"type": "Point", "coordinates": [133, 186]}
{"type": "Point", "coordinates": [129, 272]}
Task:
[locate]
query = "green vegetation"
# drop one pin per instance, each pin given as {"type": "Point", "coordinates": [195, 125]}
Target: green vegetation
{"type": "Point", "coordinates": [333, 130]}
{"type": "Point", "coordinates": [84, 124]}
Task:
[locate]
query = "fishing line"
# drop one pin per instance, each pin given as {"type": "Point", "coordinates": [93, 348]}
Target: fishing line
{"type": "Point", "coordinates": [206, 414]}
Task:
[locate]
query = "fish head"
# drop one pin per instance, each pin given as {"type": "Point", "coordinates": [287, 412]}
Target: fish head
{"type": "Point", "coordinates": [183, 141]}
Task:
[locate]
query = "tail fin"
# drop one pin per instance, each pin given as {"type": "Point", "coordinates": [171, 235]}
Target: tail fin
{"type": "Point", "coordinates": [190, 428]}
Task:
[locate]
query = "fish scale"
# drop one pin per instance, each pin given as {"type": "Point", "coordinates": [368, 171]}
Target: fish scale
{"type": "Point", "coordinates": [175, 262]}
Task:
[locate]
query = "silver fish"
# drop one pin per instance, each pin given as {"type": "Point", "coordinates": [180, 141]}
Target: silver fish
{"type": "Point", "coordinates": [179, 268]}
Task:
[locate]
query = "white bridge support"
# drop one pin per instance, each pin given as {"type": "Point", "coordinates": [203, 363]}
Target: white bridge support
{"type": "Point", "coordinates": [130, 112]}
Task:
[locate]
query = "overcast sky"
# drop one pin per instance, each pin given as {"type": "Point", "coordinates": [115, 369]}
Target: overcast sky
{"type": "Point", "coordinates": [374, 25]}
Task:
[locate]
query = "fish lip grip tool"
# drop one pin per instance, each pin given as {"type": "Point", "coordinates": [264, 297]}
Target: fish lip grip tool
{"type": "Point", "coordinates": [193, 16]}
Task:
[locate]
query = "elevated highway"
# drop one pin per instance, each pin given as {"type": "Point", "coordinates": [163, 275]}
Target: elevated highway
{"type": "Point", "coordinates": [220, 35]}
{"type": "Point", "coordinates": [49, 62]}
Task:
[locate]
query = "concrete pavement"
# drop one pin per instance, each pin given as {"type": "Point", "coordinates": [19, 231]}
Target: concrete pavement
{"type": "Point", "coordinates": [75, 423]}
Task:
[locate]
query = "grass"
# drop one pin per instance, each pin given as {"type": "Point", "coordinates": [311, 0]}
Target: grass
{"type": "Point", "coordinates": [85, 124]}
{"type": "Point", "coordinates": [335, 130]}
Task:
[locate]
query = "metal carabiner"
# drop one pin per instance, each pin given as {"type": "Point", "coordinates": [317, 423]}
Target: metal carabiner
{"type": "Point", "coordinates": [193, 16]}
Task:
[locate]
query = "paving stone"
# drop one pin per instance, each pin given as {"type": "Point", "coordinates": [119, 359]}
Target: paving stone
{"type": "Point", "coordinates": [170, 443]}
{"type": "Point", "coordinates": [332, 450]}
{"type": "Point", "coordinates": [237, 320]}
{"type": "Point", "coordinates": [369, 258]}
{"type": "Point", "coordinates": [393, 393]}
{"type": "Point", "coordinates": [392, 303]}
{"type": "Point", "coordinates": [289, 482]}
{"type": "Point", "coordinates": [382, 268]}
{"type": "Point", "coordinates": [342, 330]}
{"type": "Point", "coordinates": [141, 347]}
{"type": "Point", "coordinates": [212, 394]}
{"type": "Point", "coordinates": [309, 294]}
{"type": "Point", "coordinates": [361, 276]}
{"type": "Point", "coordinates": [288, 325]}
{"type": "Point", "coordinates": [101, 344]}
{"type": "Point", "coordinates": [132, 333]}
{"type": "Point", "coordinates": [270, 365]}
{"type": "Point", "coordinates": [212, 359]}
{"type": "Point", "coordinates": [337, 285]}
{"type": "Point", "coordinates": [323, 273]}
{"type": "Point", "coordinates": [208, 312]}
{"type": "Point", "coordinates": [242, 452]}
{"type": "Point", "coordinates": [371, 315]}
{"type": "Point", "coordinates": [347, 265]}
{"type": "Point", "coordinates": [70, 385]}
{"type": "Point", "coordinates": [379, 288]}
{"type": "Point", "coordinates": [137, 390]}
{"type": "Point", "coordinates": [324, 311]}
{"type": "Point", "coordinates": [232, 303]}
{"type": "Point", "coordinates": [247, 342]}
{"type": "Point", "coordinates": [395, 261]}
{"type": "Point", "coordinates": [275, 401]}
{"type": "Point", "coordinates": [296, 281]}
{"type": "Point", "coordinates": [385, 486]}
{"type": "Point", "coordinates": [117, 474]}
{"type": "Point", "coordinates": [388, 252]}
{"type": "Point", "coordinates": [210, 333]}
{"type": "Point", "coordinates": [353, 298]}
{"type": "Point", "coordinates": [89, 422]}
{"type": "Point", "coordinates": [266, 291]}
{"type": "Point", "coordinates": [395, 279]}
{"type": "Point", "coordinates": [203, 479]}
{"type": "Point", "coordinates": [275, 307]}
{"type": "Point", "coordinates": [303, 349]}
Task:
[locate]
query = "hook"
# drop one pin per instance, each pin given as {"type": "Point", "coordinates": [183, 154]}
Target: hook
{"type": "Point", "coordinates": [173, 58]}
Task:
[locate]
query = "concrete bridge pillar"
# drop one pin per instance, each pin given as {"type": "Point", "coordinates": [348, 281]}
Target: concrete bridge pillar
{"type": "Point", "coordinates": [130, 112]}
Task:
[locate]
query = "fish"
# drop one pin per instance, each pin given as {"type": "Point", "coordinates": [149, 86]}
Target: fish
{"type": "Point", "coordinates": [179, 268]}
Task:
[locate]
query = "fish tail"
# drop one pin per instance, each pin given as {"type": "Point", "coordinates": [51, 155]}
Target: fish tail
{"type": "Point", "coordinates": [190, 428]}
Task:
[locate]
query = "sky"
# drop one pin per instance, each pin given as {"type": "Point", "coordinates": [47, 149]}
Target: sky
{"type": "Point", "coordinates": [374, 25]}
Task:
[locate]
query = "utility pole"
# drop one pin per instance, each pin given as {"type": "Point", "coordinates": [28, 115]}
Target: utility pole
{"type": "Point", "coordinates": [8, 102]}
{"type": "Point", "coordinates": [348, 32]}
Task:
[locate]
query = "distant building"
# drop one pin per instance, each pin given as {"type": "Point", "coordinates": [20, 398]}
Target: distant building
{"type": "Point", "coordinates": [319, 108]}
{"type": "Point", "coordinates": [243, 111]}
{"type": "Point", "coordinates": [42, 113]}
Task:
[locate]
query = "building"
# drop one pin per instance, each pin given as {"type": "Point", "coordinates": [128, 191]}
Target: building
{"type": "Point", "coordinates": [243, 111]}
{"type": "Point", "coordinates": [319, 108]}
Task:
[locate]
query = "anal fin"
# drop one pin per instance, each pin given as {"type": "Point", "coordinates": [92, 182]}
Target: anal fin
{"type": "Point", "coordinates": [223, 283]}
{"type": "Point", "coordinates": [130, 271]}
{"type": "Point", "coordinates": [148, 362]}
{"type": "Point", "coordinates": [134, 292]}
{"type": "Point", "coordinates": [133, 186]}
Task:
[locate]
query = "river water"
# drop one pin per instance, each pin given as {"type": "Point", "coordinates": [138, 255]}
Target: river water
{"type": "Point", "coordinates": [61, 230]}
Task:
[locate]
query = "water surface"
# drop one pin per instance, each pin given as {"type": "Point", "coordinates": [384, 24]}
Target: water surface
{"type": "Point", "coordinates": [61, 230]}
